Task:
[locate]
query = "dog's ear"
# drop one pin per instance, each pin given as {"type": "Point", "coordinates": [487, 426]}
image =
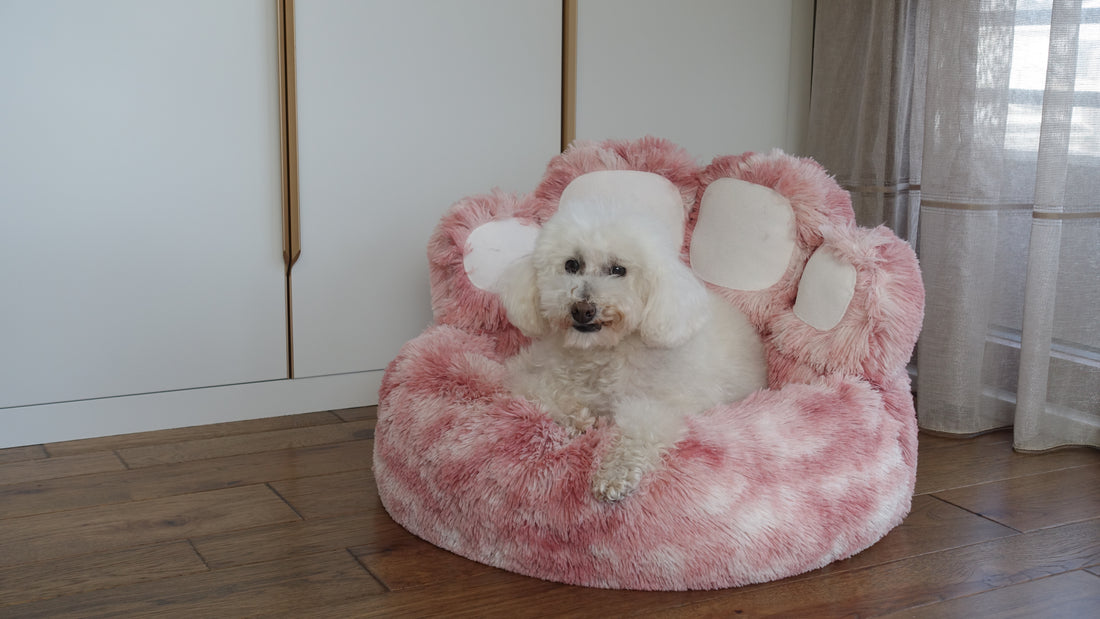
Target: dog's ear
{"type": "Point", "coordinates": [676, 306]}
{"type": "Point", "coordinates": [519, 292]}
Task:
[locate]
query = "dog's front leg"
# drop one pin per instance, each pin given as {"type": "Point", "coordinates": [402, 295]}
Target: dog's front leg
{"type": "Point", "coordinates": [647, 428]}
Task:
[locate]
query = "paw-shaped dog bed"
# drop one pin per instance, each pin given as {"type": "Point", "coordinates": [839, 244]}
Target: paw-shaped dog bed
{"type": "Point", "coordinates": [815, 468]}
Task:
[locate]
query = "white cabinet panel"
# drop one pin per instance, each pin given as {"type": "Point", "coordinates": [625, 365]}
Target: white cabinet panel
{"type": "Point", "coordinates": [404, 108]}
{"type": "Point", "coordinates": [715, 76]}
{"type": "Point", "coordinates": [140, 239]}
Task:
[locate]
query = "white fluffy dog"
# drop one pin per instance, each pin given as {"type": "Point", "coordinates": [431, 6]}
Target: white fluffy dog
{"type": "Point", "coordinates": [625, 332]}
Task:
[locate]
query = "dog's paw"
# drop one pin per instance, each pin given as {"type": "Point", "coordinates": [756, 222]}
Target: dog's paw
{"type": "Point", "coordinates": [621, 471]}
{"type": "Point", "coordinates": [616, 484]}
{"type": "Point", "coordinates": [580, 421]}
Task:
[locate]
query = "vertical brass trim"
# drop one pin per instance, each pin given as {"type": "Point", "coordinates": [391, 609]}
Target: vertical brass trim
{"type": "Point", "coordinates": [568, 73]}
{"type": "Point", "coordinates": [288, 143]}
{"type": "Point", "coordinates": [289, 330]}
{"type": "Point", "coordinates": [288, 113]}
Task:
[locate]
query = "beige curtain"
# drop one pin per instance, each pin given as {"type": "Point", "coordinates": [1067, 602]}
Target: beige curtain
{"type": "Point", "coordinates": [972, 128]}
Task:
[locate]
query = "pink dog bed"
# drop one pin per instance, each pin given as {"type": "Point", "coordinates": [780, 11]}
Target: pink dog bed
{"type": "Point", "coordinates": [814, 469]}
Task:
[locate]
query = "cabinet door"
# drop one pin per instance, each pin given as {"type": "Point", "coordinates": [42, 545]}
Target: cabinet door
{"type": "Point", "coordinates": [404, 108]}
{"type": "Point", "coordinates": [718, 77]}
{"type": "Point", "coordinates": [140, 239]}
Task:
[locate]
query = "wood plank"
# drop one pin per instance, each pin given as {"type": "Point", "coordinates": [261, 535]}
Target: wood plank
{"type": "Point", "coordinates": [1073, 595]}
{"type": "Point", "coordinates": [65, 466]}
{"type": "Point", "coordinates": [19, 454]}
{"type": "Point", "coordinates": [353, 492]}
{"type": "Point", "coordinates": [159, 437]}
{"type": "Point", "coordinates": [917, 581]}
{"type": "Point", "coordinates": [932, 525]}
{"type": "Point", "coordinates": [296, 586]}
{"type": "Point", "coordinates": [106, 570]}
{"type": "Point", "coordinates": [492, 594]}
{"type": "Point", "coordinates": [974, 462]}
{"type": "Point", "coordinates": [256, 442]}
{"type": "Point", "coordinates": [489, 592]}
{"type": "Point", "coordinates": [112, 527]}
{"type": "Point", "coordinates": [931, 442]}
{"type": "Point", "coordinates": [358, 413]}
{"type": "Point", "coordinates": [373, 530]}
{"type": "Point", "coordinates": [1035, 501]}
{"type": "Point", "coordinates": [407, 561]}
{"type": "Point", "coordinates": [174, 479]}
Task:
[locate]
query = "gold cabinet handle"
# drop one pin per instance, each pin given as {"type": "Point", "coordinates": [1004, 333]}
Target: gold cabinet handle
{"type": "Point", "coordinates": [288, 115]}
{"type": "Point", "coordinates": [568, 73]}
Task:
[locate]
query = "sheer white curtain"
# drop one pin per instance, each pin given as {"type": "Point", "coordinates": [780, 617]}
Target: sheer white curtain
{"type": "Point", "coordinates": [972, 128]}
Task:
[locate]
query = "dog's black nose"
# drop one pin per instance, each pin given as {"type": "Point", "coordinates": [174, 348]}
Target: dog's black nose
{"type": "Point", "coordinates": [583, 312]}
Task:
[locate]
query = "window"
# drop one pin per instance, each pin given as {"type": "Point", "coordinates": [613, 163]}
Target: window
{"type": "Point", "coordinates": [1029, 78]}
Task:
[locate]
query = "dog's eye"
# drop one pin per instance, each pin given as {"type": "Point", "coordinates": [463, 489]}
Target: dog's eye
{"type": "Point", "coordinates": [618, 270]}
{"type": "Point", "coordinates": [572, 266]}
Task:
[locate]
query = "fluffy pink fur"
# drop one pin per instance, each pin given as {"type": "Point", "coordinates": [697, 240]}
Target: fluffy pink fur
{"type": "Point", "coordinates": [782, 482]}
{"type": "Point", "coordinates": [455, 300]}
{"type": "Point", "coordinates": [877, 333]}
{"type": "Point", "coordinates": [648, 154]}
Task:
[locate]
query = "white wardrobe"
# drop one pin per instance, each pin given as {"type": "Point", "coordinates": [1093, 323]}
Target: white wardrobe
{"type": "Point", "coordinates": [139, 185]}
{"type": "Point", "coordinates": [403, 109]}
{"type": "Point", "coordinates": [142, 282]}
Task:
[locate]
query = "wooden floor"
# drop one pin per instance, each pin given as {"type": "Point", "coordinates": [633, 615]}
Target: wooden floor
{"type": "Point", "coordinates": [281, 517]}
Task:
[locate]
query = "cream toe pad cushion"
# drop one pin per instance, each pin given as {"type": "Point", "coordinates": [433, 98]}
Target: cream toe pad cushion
{"type": "Point", "coordinates": [745, 235]}
{"type": "Point", "coordinates": [493, 246]}
{"type": "Point", "coordinates": [825, 290]}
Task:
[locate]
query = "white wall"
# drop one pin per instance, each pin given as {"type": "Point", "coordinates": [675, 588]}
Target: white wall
{"type": "Point", "coordinates": [718, 77]}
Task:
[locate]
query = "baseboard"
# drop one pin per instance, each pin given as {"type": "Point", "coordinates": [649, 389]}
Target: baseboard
{"type": "Point", "coordinates": [47, 423]}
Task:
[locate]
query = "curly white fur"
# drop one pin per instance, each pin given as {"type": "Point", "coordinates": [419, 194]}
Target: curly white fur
{"type": "Point", "coordinates": [625, 332]}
